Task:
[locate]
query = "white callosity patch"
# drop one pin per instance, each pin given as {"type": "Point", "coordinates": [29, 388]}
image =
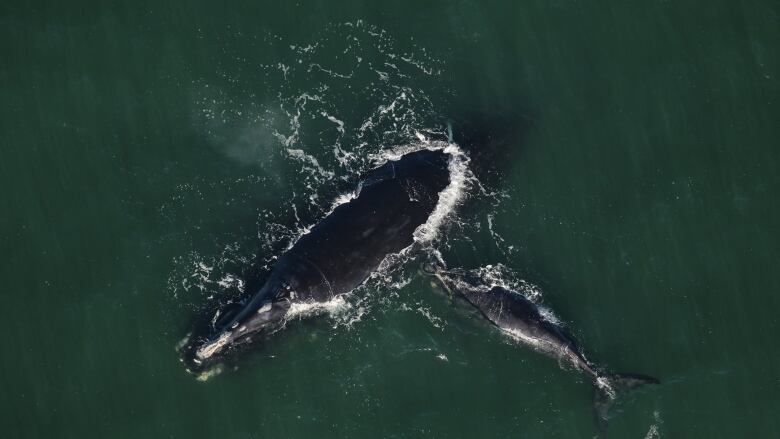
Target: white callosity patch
{"type": "Point", "coordinates": [209, 349]}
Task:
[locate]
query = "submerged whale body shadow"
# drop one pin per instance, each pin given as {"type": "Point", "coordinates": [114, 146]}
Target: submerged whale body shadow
{"type": "Point", "coordinates": [337, 255]}
{"type": "Point", "coordinates": [515, 314]}
{"type": "Point", "coordinates": [496, 138]}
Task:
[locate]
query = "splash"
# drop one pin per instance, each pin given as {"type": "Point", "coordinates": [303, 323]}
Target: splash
{"type": "Point", "coordinates": [450, 197]}
{"type": "Point", "coordinates": [303, 123]}
{"type": "Point", "coordinates": [654, 431]}
{"type": "Point", "coordinates": [335, 306]}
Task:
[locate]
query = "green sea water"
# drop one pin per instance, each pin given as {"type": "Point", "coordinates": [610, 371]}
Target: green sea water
{"type": "Point", "coordinates": [153, 154]}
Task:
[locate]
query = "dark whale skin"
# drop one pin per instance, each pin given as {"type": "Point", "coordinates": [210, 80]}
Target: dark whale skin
{"type": "Point", "coordinates": [338, 254]}
{"type": "Point", "coordinates": [514, 313]}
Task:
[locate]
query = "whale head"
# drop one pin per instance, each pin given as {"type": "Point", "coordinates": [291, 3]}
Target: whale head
{"type": "Point", "coordinates": [229, 332]}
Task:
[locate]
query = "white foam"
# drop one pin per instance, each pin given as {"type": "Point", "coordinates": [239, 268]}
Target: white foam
{"type": "Point", "coordinates": [653, 432]}
{"type": "Point", "coordinates": [368, 123]}
{"type": "Point", "coordinates": [202, 271]}
{"type": "Point", "coordinates": [229, 280]}
{"type": "Point", "coordinates": [500, 275]}
{"type": "Point", "coordinates": [450, 197]}
{"type": "Point", "coordinates": [419, 65]}
{"type": "Point", "coordinates": [309, 308]}
{"type": "Point", "coordinates": [435, 321]}
{"type": "Point", "coordinates": [339, 123]}
{"type": "Point", "coordinates": [291, 139]}
{"type": "Point", "coordinates": [493, 233]}
{"type": "Point", "coordinates": [283, 68]}
{"type": "Point", "coordinates": [603, 384]}
{"type": "Point", "coordinates": [549, 315]}
{"type": "Point", "coordinates": [329, 71]}
{"type": "Point", "coordinates": [343, 199]}
{"type": "Point", "coordinates": [301, 155]}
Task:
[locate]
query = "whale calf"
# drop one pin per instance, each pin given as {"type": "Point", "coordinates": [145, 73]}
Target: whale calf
{"type": "Point", "coordinates": [514, 313]}
{"type": "Point", "coordinates": [337, 255]}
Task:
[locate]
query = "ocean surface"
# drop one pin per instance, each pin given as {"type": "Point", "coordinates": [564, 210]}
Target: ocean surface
{"type": "Point", "coordinates": [155, 156]}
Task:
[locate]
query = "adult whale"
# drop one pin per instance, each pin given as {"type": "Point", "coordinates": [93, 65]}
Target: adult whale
{"type": "Point", "coordinates": [339, 253]}
{"type": "Point", "coordinates": [514, 313]}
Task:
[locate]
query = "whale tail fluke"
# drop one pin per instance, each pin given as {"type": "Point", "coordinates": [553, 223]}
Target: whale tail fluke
{"type": "Point", "coordinates": [608, 388]}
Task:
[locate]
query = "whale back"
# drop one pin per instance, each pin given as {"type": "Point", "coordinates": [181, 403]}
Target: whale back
{"type": "Point", "coordinates": [338, 254]}
{"type": "Point", "coordinates": [342, 250]}
{"type": "Point", "coordinates": [517, 315]}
